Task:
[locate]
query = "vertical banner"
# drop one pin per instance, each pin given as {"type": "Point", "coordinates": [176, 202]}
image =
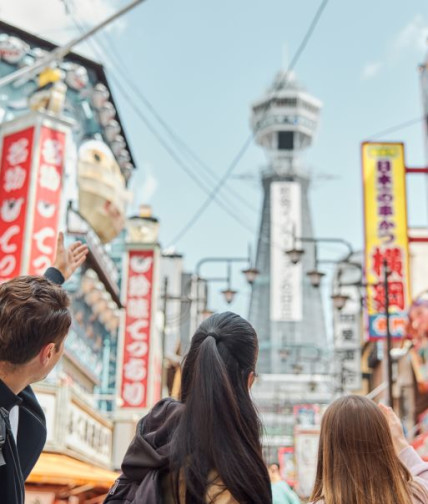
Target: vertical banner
{"type": "Point", "coordinates": [385, 210]}
{"type": "Point", "coordinates": [287, 464]}
{"type": "Point", "coordinates": [306, 450]}
{"type": "Point", "coordinates": [138, 327]}
{"type": "Point", "coordinates": [347, 340]}
{"type": "Point", "coordinates": [15, 174]}
{"type": "Point", "coordinates": [46, 210]}
{"type": "Point", "coordinates": [286, 278]}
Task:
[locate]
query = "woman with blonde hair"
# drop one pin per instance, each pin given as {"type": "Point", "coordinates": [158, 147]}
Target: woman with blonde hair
{"type": "Point", "coordinates": [364, 457]}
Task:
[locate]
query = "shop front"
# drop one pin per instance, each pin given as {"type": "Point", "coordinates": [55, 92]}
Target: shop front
{"type": "Point", "coordinates": [75, 467]}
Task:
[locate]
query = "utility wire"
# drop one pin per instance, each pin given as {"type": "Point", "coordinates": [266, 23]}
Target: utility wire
{"type": "Point", "coordinates": [395, 128]}
{"type": "Point", "coordinates": [166, 146]}
{"type": "Point", "coordinates": [197, 215]}
{"type": "Point", "coordinates": [113, 55]}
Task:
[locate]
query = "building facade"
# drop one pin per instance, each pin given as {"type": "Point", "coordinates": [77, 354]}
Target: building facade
{"type": "Point", "coordinates": [65, 164]}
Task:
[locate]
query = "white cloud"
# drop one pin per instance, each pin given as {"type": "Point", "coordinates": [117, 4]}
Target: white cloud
{"type": "Point", "coordinates": [55, 20]}
{"type": "Point", "coordinates": [413, 35]}
{"type": "Point", "coordinates": [370, 70]}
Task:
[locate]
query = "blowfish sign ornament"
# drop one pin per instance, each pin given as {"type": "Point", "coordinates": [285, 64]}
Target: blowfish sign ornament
{"type": "Point", "coordinates": [31, 172]}
{"type": "Point", "coordinates": [386, 237]}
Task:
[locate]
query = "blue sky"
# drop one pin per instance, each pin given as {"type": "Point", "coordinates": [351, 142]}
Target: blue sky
{"type": "Point", "coordinates": [201, 64]}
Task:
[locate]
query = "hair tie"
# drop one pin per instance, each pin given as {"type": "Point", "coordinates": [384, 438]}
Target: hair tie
{"type": "Point", "coordinates": [214, 335]}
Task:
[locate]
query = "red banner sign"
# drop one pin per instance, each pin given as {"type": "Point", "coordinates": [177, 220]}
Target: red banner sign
{"type": "Point", "coordinates": [46, 208]}
{"type": "Point", "coordinates": [136, 351]}
{"type": "Point", "coordinates": [15, 173]}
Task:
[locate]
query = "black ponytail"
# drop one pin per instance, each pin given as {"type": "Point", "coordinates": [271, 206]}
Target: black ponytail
{"type": "Point", "coordinates": [219, 429]}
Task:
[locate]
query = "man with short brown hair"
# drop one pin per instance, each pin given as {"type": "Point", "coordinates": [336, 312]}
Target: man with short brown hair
{"type": "Point", "coordinates": [34, 321]}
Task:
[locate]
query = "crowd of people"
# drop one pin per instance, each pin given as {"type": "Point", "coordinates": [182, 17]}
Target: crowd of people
{"type": "Point", "coordinates": [206, 447]}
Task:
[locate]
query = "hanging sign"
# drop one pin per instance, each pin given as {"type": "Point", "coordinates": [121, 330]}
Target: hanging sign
{"type": "Point", "coordinates": [385, 237]}
{"type": "Point", "coordinates": [138, 327]}
{"type": "Point", "coordinates": [286, 298]}
{"type": "Point", "coordinates": [48, 175]}
{"type": "Point", "coordinates": [15, 174]}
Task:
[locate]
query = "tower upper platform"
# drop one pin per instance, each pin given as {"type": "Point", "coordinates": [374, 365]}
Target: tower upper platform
{"type": "Point", "coordinates": [285, 119]}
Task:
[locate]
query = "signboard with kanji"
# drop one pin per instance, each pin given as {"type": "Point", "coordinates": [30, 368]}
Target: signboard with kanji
{"type": "Point", "coordinates": [32, 163]}
{"type": "Point", "coordinates": [286, 298]}
{"type": "Point", "coordinates": [385, 237]}
{"type": "Point", "coordinates": [15, 175]}
{"type": "Point", "coordinates": [48, 186]}
{"type": "Point", "coordinates": [138, 325]}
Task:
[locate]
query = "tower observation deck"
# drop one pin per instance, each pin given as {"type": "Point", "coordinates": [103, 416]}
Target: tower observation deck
{"type": "Point", "coordinates": [284, 308]}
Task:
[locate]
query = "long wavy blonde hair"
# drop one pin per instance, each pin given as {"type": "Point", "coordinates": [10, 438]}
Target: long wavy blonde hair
{"type": "Point", "coordinates": [357, 463]}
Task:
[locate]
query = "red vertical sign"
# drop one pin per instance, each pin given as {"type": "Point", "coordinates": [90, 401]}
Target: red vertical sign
{"type": "Point", "coordinates": [15, 173]}
{"type": "Point", "coordinates": [47, 203]}
{"type": "Point", "coordinates": [136, 351]}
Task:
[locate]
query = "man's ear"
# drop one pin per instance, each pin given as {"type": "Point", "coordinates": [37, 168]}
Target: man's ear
{"type": "Point", "coordinates": [46, 353]}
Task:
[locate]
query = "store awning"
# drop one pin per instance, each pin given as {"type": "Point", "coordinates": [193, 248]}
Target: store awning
{"type": "Point", "coordinates": [59, 469]}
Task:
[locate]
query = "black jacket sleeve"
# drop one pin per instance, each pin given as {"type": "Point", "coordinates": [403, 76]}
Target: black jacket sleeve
{"type": "Point", "coordinates": [54, 275]}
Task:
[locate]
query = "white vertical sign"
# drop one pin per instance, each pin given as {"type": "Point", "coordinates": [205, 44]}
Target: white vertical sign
{"type": "Point", "coordinates": [306, 453]}
{"type": "Point", "coordinates": [286, 278]}
{"type": "Point", "coordinates": [347, 341]}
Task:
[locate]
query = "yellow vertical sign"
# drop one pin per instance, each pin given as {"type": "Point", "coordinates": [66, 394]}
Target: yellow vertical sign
{"type": "Point", "coordinates": [386, 237]}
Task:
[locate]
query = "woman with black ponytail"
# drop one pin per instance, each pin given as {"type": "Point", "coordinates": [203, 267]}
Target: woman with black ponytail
{"type": "Point", "coordinates": [205, 448]}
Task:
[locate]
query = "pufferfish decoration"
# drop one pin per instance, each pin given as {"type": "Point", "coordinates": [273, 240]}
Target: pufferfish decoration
{"type": "Point", "coordinates": [102, 192]}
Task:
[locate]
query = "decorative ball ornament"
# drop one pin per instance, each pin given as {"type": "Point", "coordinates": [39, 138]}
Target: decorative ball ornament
{"type": "Point", "coordinates": [118, 144]}
{"type": "Point", "coordinates": [106, 113]}
{"type": "Point", "coordinates": [112, 130]}
{"type": "Point", "coordinates": [100, 95]}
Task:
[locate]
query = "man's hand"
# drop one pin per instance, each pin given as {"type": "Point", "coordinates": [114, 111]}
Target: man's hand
{"type": "Point", "coordinates": [398, 438]}
{"type": "Point", "coordinates": [68, 260]}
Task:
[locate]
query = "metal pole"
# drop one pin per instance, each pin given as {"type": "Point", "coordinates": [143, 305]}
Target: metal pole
{"type": "Point", "coordinates": [388, 335]}
{"type": "Point", "coordinates": [60, 52]}
{"type": "Point", "coordinates": [164, 310]}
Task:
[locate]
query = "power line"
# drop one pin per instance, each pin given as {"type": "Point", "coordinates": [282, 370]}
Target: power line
{"type": "Point", "coordinates": [174, 136]}
{"type": "Point", "coordinates": [397, 127]}
{"type": "Point", "coordinates": [167, 147]}
{"type": "Point", "coordinates": [197, 215]}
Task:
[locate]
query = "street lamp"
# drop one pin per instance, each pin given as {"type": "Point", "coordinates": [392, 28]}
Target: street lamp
{"type": "Point", "coordinates": [251, 274]}
{"type": "Point", "coordinates": [315, 277]}
{"type": "Point", "coordinates": [229, 295]}
{"type": "Point", "coordinates": [339, 300]}
{"type": "Point", "coordinates": [295, 255]}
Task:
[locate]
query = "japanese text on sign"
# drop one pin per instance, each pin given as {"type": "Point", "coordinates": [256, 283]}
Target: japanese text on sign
{"type": "Point", "coordinates": [286, 278]}
{"type": "Point", "coordinates": [385, 236]}
{"type": "Point", "coordinates": [137, 329]}
{"type": "Point", "coordinates": [15, 171]}
{"type": "Point", "coordinates": [47, 200]}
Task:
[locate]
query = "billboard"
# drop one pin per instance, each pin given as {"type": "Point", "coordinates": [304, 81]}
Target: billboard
{"type": "Point", "coordinates": [286, 278]}
{"type": "Point", "coordinates": [15, 174]}
{"type": "Point", "coordinates": [385, 230]}
{"type": "Point", "coordinates": [138, 328]}
{"type": "Point", "coordinates": [48, 175]}
{"type": "Point", "coordinates": [33, 149]}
